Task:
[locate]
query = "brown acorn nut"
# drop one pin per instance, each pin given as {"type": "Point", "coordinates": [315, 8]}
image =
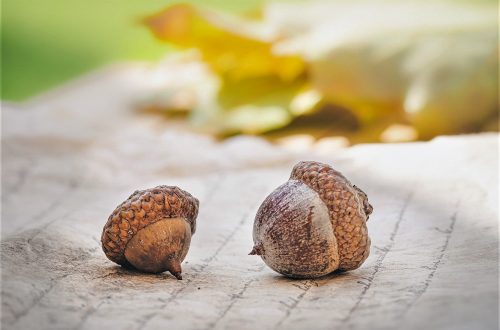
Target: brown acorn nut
{"type": "Point", "coordinates": [151, 230]}
{"type": "Point", "coordinates": [313, 224]}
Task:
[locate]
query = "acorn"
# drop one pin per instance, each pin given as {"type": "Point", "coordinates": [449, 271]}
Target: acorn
{"type": "Point", "coordinates": [313, 224]}
{"type": "Point", "coordinates": [151, 231]}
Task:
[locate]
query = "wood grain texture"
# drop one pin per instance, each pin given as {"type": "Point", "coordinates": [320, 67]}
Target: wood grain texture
{"type": "Point", "coordinates": [71, 156]}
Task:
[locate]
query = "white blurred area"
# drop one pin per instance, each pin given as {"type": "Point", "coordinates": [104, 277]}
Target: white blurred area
{"type": "Point", "coordinates": [406, 69]}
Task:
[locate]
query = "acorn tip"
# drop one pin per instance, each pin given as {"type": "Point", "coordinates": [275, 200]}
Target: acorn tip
{"type": "Point", "coordinates": [257, 250]}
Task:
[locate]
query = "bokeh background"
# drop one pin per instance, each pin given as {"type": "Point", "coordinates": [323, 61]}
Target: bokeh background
{"type": "Point", "coordinates": [384, 71]}
{"type": "Point", "coordinates": [45, 43]}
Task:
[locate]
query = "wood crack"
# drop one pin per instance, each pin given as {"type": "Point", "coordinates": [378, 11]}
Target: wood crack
{"type": "Point", "coordinates": [36, 301]}
{"type": "Point", "coordinates": [233, 299]}
{"type": "Point", "coordinates": [436, 263]}
{"type": "Point", "coordinates": [87, 314]}
{"type": "Point", "coordinates": [305, 287]}
{"type": "Point", "coordinates": [378, 263]}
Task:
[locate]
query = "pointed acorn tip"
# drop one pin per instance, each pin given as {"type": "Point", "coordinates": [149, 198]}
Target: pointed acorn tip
{"type": "Point", "coordinates": [177, 275]}
{"type": "Point", "coordinates": [174, 267]}
{"type": "Point", "coordinates": [257, 250]}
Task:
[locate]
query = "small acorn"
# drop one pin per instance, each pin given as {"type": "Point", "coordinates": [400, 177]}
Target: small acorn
{"type": "Point", "coordinates": [151, 230]}
{"type": "Point", "coordinates": [313, 224]}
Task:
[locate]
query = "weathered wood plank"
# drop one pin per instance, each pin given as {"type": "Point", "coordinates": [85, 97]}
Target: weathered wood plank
{"type": "Point", "coordinates": [72, 156]}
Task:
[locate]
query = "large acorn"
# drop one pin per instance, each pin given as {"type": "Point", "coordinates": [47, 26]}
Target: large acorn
{"type": "Point", "coordinates": [313, 224]}
{"type": "Point", "coordinates": [151, 230]}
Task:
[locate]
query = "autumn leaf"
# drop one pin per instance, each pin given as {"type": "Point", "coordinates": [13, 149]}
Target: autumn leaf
{"type": "Point", "coordinates": [235, 49]}
{"type": "Point", "coordinates": [432, 65]}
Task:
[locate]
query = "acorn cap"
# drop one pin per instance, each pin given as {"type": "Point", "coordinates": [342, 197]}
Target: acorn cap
{"type": "Point", "coordinates": [348, 207]}
{"type": "Point", "coordinates": [141, 209]}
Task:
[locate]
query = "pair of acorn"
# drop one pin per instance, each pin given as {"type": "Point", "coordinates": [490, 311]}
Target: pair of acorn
{"type": "Point", "coordinates": [308, 227]}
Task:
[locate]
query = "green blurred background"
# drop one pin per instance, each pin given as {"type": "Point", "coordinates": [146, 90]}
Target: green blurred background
{"type": "Point", "coordinates": [47, 42]}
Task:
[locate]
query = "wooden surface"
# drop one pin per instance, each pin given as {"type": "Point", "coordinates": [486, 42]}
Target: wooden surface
{"type": "Point", "coordinates": [71, 156]}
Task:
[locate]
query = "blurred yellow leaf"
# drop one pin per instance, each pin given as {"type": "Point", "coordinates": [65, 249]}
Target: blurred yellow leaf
{"type": "Point", "coordinates": [234, 48]}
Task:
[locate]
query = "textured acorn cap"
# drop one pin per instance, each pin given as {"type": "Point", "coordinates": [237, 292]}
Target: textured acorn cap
{"type": "Point", "coordinates": [141, 209]}
{"type": "Point", "coordinates": [348, 207]}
